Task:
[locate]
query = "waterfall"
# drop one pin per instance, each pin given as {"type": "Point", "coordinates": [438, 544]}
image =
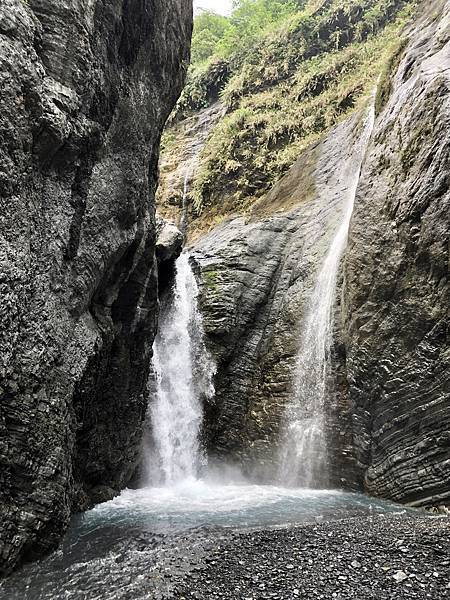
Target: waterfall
{"type": "Point", "coordinates": [183, 368]}
{"type": "Point", "coordinates": [185, 201]}
{"type": "Point", "coordinates": [184, 379]}
{"type": "Point", "coordinates": [196, 133]}
{"type": "Point", "coordinates": [304, 448]}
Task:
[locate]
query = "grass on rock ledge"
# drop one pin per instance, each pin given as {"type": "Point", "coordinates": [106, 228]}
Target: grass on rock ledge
{"type": "Point", "coordinates": [297, 80]}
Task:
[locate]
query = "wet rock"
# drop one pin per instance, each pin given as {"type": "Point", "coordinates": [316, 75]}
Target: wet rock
{"type": "Point", "coordinates": [389, 408]}
{"type": "Point", "coordinates": [169, 242]}
{"type": "Point", "coordinates": [397, 291]}
{"type": "Point", "coordinates": [179, 161]}
{"type": "Point", "coordinates": [86, 89]}
{"type": "Point", "coordinates": [257, 274]}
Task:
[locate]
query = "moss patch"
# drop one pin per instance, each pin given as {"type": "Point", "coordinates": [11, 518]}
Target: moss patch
{"type": "Point", "coordinates": [211, 280]}
{"type": "Point", "coordinates": [385, 83]}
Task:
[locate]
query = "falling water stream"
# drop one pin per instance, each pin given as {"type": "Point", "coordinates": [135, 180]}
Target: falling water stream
{"type": "Point", "coordinates": [304, 451]}
{"type": "Point", "coordinates": [185, 202]}
{"type": "Point", "coordinates": [184, 374]}
{"type": "Point", "coordinates": [116, 541]}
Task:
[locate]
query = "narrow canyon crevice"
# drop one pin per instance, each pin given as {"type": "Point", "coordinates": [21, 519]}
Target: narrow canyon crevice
{"type": "Point", "coordinates": [86, 90]}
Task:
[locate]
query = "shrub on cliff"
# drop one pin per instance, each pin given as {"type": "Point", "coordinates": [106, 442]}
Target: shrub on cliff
{"type": "Point", "coordinates": [289, 71]}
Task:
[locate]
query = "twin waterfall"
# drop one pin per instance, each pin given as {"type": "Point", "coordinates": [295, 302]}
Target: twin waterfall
{"type": "Point", "coordinates": [184, 379]}
{"type": "Point", "coordinates": [184, 370]}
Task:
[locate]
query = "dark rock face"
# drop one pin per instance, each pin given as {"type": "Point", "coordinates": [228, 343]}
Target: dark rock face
{"type": "Point", "coordinates": [179, 162]}
{"type": "Point", "coordinates": [389, 412]}
{"type": "Point", "coordinates": [257, 277]}
{"type": "Point", "coordinates": [397, 290]}
{"type": "Point", "coordinates": [86, 89]}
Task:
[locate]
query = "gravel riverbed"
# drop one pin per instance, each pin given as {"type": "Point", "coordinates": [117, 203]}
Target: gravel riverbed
{"type": "Point", "coordinates": [379, 557]}
{"type": "Point", "coordinates": [384, 557]}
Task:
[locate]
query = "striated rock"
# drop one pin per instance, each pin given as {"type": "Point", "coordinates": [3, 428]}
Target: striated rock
{"type": "Point", "coordinates": [257, 275]}
{"type": "Point", "coordinates": [397, 289]}
{"type": "Point", "coordinates": [388, 416]}
{"type": "Point", "coordinates": [86, 89]}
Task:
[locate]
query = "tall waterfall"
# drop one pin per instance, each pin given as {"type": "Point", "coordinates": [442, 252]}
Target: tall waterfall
{"type": "Point", "coordinates": [184, 379]}
{"type": "Point", "coordinates": [304, 450]}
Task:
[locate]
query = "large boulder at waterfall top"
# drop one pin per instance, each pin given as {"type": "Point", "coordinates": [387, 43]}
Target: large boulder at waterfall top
{"type": "Point", "coordinates": [169, 240]}
{"type": "Point", "coordinates": [86, 89]}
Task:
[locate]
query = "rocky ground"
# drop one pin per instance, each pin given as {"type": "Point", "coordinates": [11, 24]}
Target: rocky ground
{"type": "Point", "coordinates": [387, 557]}
{"type": "Point", "coordinates": [383, 557]}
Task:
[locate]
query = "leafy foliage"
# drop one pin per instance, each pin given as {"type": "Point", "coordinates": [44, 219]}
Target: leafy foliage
{"type": "Point", "coordinates": [209, 30]}
{"type": "Point", "coordinates": [289, 72]}
{"type": "Point", "coordinates": [250, 20]}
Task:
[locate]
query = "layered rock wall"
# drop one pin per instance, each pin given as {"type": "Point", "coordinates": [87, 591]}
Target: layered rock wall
{"type": "Point", "coordinates": [397, 291]}
{"type": "Point", "coordinates": [257, 277]}
{"type": "Point", "coordinates": [86, 88]}
{"type": "Point", "coordinates": [388, 416]}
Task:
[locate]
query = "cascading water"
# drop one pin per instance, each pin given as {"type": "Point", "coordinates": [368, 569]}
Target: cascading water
{"type": "Point", "coordinates": [184, 379]}
{"type": "Point", "coordinates": [304, 449]}
{"type": "Point", "coordinates": [196, 134]}
{"type": "Point", "coordinates": [185, 201]}
{"type": "Point", "coordinates": [183, 368]}
{"type": "Point", "coordinates": [115, 542]}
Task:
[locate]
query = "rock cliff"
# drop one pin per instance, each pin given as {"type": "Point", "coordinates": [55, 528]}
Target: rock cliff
{"type": "Point", "coordinates": [397, 291]}
{"type": "Point", "coordinates": [283, 85]}
{"type": "Point", "coordinates": [86, 88]}
{"type": "Point", "coordinates": [389, 410]}
{"type": "Point", "coordinates": [257, 276]}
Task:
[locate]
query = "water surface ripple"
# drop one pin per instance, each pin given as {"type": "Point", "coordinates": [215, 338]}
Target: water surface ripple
{"type": "Point", "coordinates": [129, 547]}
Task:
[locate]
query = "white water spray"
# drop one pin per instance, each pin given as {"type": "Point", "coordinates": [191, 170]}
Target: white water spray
{"type": "Point", "coordinates": [184, 379]}
{"type": "Point", "coordinates": [304, 451]}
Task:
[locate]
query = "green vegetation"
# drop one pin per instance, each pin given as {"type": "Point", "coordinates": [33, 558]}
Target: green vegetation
{"type": "Point", "coordinates": [250, 20]}
{"type": "Point", "coordinates": [221, 37]}
{"type": "Point", "coordinates": [212, 280]}
{"type": "Point", "coordinates": [385, 82]}
{"type": "Point", "coordinates": [287, 72]}
{"type": "Point", "coordinates": [220, 44]}
{"type": "Point", "coordinates": [209, 31]}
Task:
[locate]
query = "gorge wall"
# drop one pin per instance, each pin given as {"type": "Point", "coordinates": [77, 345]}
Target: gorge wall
{"type": "Point", "coordinates": [397, 291]}
{"type": "Point", "coordinates": [86, 89]}
{"type": "Point", "coordinates": [257, 275]}
{"type": "Point", "coordinates": [389, 410]}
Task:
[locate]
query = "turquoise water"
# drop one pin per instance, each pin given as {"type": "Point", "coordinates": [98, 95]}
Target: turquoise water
{"type": "Point", "coordinates": [114, 550]}
{"type": "Point", "coordinates": [196, 503]}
